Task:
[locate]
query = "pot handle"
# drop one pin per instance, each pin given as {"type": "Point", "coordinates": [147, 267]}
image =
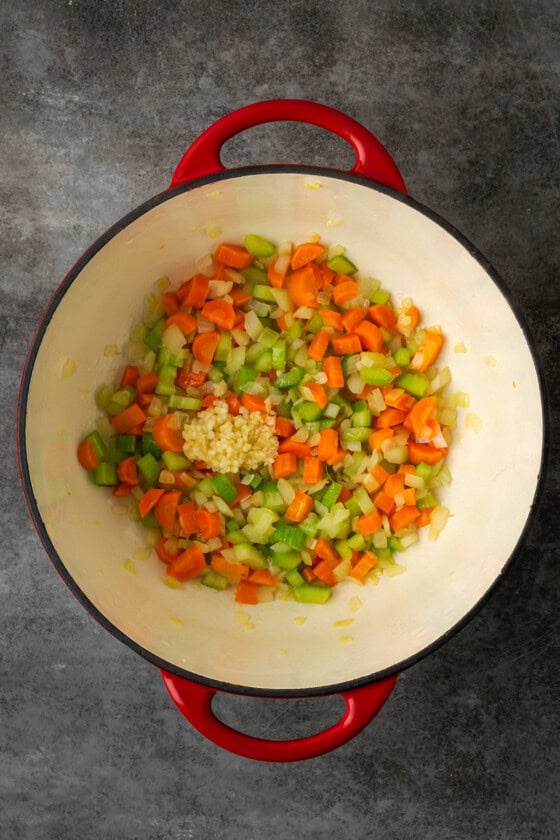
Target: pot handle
{"type": "Point", "coordinates": [194, 701]}
{"type": "Point", "coordinates": [372, 158]}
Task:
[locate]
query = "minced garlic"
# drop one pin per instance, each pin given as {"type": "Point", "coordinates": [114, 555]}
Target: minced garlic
{"type": "Point", "coordinates": [228, 443]}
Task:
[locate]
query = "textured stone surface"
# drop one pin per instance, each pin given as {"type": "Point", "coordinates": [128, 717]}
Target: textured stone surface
{"type": "Point", "coordinates": [99, 99]}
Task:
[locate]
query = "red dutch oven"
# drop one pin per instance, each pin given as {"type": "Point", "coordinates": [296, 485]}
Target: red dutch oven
{"type": "Point", "coordinates": [201, 640]}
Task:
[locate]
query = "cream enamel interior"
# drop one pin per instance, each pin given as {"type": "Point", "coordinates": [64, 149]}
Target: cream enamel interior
{"type": "Point", "coordinates": [495, 471]}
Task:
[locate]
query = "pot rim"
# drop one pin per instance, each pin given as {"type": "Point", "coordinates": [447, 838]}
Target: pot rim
{"type": "Point", "coordinates": [35, 343]}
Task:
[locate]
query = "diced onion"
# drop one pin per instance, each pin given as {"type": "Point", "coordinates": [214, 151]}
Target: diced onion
{"type": "Point", "coordinates": [219, 288]}
{"type": "Point", "coordinates": [205, 265]}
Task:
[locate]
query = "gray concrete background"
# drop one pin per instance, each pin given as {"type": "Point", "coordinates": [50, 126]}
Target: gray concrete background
{"type": "Point", "coordinates": [99, 99]}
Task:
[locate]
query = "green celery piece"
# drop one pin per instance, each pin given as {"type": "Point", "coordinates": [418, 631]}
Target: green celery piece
{"type": "Point", "coordinates": [215, 374]}
{"type": "Point", "coordinates": [98, 445]}
{"type": "Point", "coordinates": [224, 487]}
{"type": "Point", "coordinates": [427, 501]}
{"type": "Point", "coordinates": [272, 498]}
{"type": "Point", "coordinates": [243, 377]}
{"type": "Point", "coordinates": [307, 410]}
{"type": "Point", "coordinates": [424, 470]}
{"type": "Point", "coordinates": [103, 396]}
{"type": "Point", "coordinates": [126, 443]}
{"type": "Point", "coordinates": [414, 383]}
{"type": "Point", "coordinates": [327, 424]}
{"type": "Point", "coordinates": [175, 461]}
{"type": "Point", "coordinates": [331, 494]}
{"type": "Point", "coordinates": [150, 446]}
{"type": "Point", "coordinates": [353, 507]}
{"type": "Point", "coordinates": [113, 454]}
{"type": "Point", "coordinates": [184, 403]}
{"type": "Point", "coordinates": [290, 379]}
{"type": "Point", "coordinates": [224, 347]}
{"type": "Point", "coordinates": [254, 352]}
{"type": "Point", "coordinates": [353, 435]}
{"type": "Point", "coordinates": [295, 330]}
{"type": "Point", "coordinates": [291, 536]}
{"type": "Point", "coordinates": [264, 362]}
{"type": "Point", "coordinates": [313, 427]}
{"type": "Point", "coordinates": [166, 357]}
{"type": "Point", "coordinates": [232, 525]}
{"type": "Point", "coordinates": [362, 418]}
{"type": "Point", "coordinates": [206, 487]}
{"type": "Point", "coordinates": [166, 380]}
{"type": "Point", "coordinates": [294, 578]}
{"type": "Point", "coordinates": [148, 468]}
{"type": "Point", "coordinates": [309, 524]}
{"type": "Point", "coordinates": [268, 337]}
{"type": "Point", "coordinates": [384, 553]}
{"type": "Point", "coordinates": [341, 264]}
{"type": "Point", "coordinates": [310, 593]}
{"type": "Point", "coordinates": [253, 275]}
{"type": "Point", "coordinates": [279, 356]}
{"type": "Point", "coordinates": [215, 580]}
{"type": "Point", "coordinates": [251, 556]}
{"type": "Point", "coordinates": [261, 292]}
{"type": "Point", "coordinates": [105, 475]}
{"type": "Point", "coordinates": [153, 338]}
{"type": "Point", "coordinates": [287, 560]}
{"type": "Point", "coordinates": [356, 542]}
{"type": "Point", "coordinates": [315, 323]}
{"type": "Point", "coordinates": [258, 246]}
{"type": "Point", "coordinates": [380, 296]}
{"type": "Point", "coordinates": [344, 549]}
{"type": "Point", "coordinates": [124, 396]}
{"type": "Point", "coordinates": [376, 376]}
{"type": "Point", "coordinates": [395, 544]}
{"type": "Point", "coordinates": [402, 357]}
{"type": "Point", "coordinates": [149, 521]}
{"type": "Point", "coordinates": [237, 537]}
{"type": "Point", "coordinates": [363, 499]}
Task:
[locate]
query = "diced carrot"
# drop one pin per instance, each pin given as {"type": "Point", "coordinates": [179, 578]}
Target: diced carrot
{"type": "Point", "coordinates": [325, 551]}
{"type": "Point", "coordinates": [204, 347]}
{"type": "Point", "coordinates": [409, 496]}
{"type": "Point", "coordinates": [299, 508]}
{"type": "Point", "coordinates": [170, 303]}
{"type": "Point", "coordinates": [137, 430]}
{"type": "Point", "coordinates": [194, 292]}
{"type": "Point", "coordinates": [302, 286]}
{"type": "Point", "coordinates": [243, 492]}
{"type": "Point", "coordinates": [166, 435]}
{"type": "Point", "coordinates": [149, 500]}
{"type": "Point", "coordinates": [254, 403]}
{"type": "Point", "coordinates": [323, 572]}
{"type": "Point", "coordinates": [384, 503]}
{"type": "Point", "coordinates": [428, 351]}
{"type": "Point", "coordinates": [276, 277]}
{"type": "Point", "coordinates": [239, 297]}
{"type": "Point", "coordinates": [188, 564]}
{"type": "Point", "coordinates": [318, 394]}
{"type": "Point", "coordinates": [263, 577]}
{"type": "Point", "coordinates": [306, 253]}
{"type": "Point", "coordinates": [122, 490]}
{"type": "Point", "coordinates": [390, 417]}
{"type": "Point", "coordinates": [234, 256]}
{"type": "Point", "coordinates": [380, 474]}
{"type": "Point", "coordinates": [164, 555]}
{"type": "Point", "coordinates": [382, 316]}
{"type": "Point", "coordinates": [166, 509]}
{"type": "Point", "coordinates": [282, 323]}
{"type": "Point", "coordinates": [284, 465]}
{"type": "Point", "coordinates": [308, 575]}
{"type": "Point", "coordinates": [86, 455]}
{"type": "Point", "coordinates": [344, 345]}
{"type": "Point", "coordinates": [247, 593]}
{"type": "Point", "coordinates": [221, 313]}
{"type": "Point", "coordinates": [127, 419]}
{"type": "Point", "coordinates": [420, 414]}
{"type": "Point", "coordinates": [186, 514]}
{"type": "Point", "coordinates": [369, 523]}
{"type": "Point", "coordinates": [398, 398]}
{"type": "Point", "coordinates": [296, 447]}
{"type": "Point", "coordinates": [209, 523]}
{"type": "Point", "coordinates": [146, 382]}
{"type": "Point", "coordinates": [404, 517]}
{"type": "Point", "coordinates": [352, 318]}
{"type": "Point", "coordinates": [406, 468]}
{"type": "Point", "coordinates": [332, 367]}
{"type": "Point", "coordinates": [413, 317]}
{"type": "Point", "coordinates": [377, 438]}
{"type": "Point", "coordinates": [190, 379]}
{"type": "Point", "coordinates": [318, 346]}
{"type": "Point", "coordinates": [344, 291]}
{"type": "Point", "coordinates": [129, 377]}
{"type": "Point", "coordinates": [284, 427]}
{"type": "Point", "coordinates": [418, 452]}
{"type": "Point", "coordinates": [332, 319]}
{"type": "Point", "coordinates": [185, 322]}
{"type": "Point", "coordinates": [312, 470]}
{"type": "Point", "coordinates": [127, 471]}
{"type": "Point", "coordinates": [345, 494]}
{"type": "Point", "coordinates": [424, 518]}
{"type": "Point", "coordinates": [328, 445]}
{"type": "Point", "coordinates": [371, 337]}
{"type": "Point", "coordinates": [233, 404]}
{"type": "Point", "coordinates": [234, 571]}
{"type": "Point", "coordinates": [394, 484]}
{"type": "Point", "coordinates": [364, 565]}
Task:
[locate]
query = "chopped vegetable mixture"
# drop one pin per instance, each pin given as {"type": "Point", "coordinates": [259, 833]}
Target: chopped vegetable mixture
{"type": "Point", "coordinates": [280, 427]}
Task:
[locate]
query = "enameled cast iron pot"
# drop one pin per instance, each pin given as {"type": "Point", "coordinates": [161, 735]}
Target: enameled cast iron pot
{"type": "Point", "coordinates": [496, 471]}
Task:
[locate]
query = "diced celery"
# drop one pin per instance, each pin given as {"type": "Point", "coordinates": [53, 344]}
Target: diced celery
{"type": "Point", "coordinates": [353, 507]}
{"type": "Point", "coordinates": [152, 339]}
{"type": "Point", "coordinates": [287, 560]}
{"type": "Point", "coordinates": [279, 357]}
{"type": "Point", "coordinates": [175, 461]}
{"type": "Point", "coordinates": [341, 264]}
{"type": "Point", "coordinates": [423, 470]}
{"type": "Point", "coordinates": [331, 494]}
{"type": "Point", "coordinates": [258, 246]}
{"type": "Point", "coordinates": [106, 474]}
{"type": "Point", "coordinates": [268, 337]}
{"type": "Point", "coordinates": [402, 357]}
{"type": "Point", "coordinates": [264, 293]}
{"type": "Point", "coordinates": [126, 443]}
{"type": "Point", "coordinates": [363, 499]}
{"type": "Point", "coordinates": [310, 526]}
{"type": "Point", "coordinates": [361, 418]}
{"type": "Point", "coordinates": [264, 362]}
{"type": "Point", "coordinates": [215, 374]}
{"type": "Point", "coordinates": [315, 323]}
{"type": "Point", "coordinates": [149, 521]}
{"type": "Point", "coordinates": [254, 352]}
{"type": "Point", "coordinates": [272, 498]}
{"type": "Point", "coordinates": [309, 593]}
{"type": "Point", "coordinates": [103, 396]}
{"type": "Point", "coordinates": [251, 556]}
{"type": "Point", "coordinates": [99, 447]}
{"type": "Point", "coordinates": [289, 535]}
{"type": "Point", "coordinates": [245, 375]}
{"type": "Point", "coordinates": [150, 446]}
{"type": "Point", "coordinates": [427, 501]}
{"type": "Point", "coordinates": [124, 396]}
{"type": "Point", "coordinates": [376, 376]}
{"type": "Point", "coordinates": [235, 360]}
{"type": "Point", "coordinates": [232, 525]}
{"type": "Point", "coordinates": [414, 383]}
{"type": "Point", "coordinates": [380, 296]}
{"type": "Point", "coordinates": [215, 580]}
{"type": "Point", "coordinates": [237, 537]}
{"type": "Point", "coordinates": [224, 487]}
{"type": "Point", "coordinates": [395, 544]}
{"type": "Point", "coordinates": [166, 380]}
{"type": "Point", "coordinates": [353, 435]}
{"type": "Point", "coordinates": [148, 468]}
{"type": "Point", "coordinates": [184, 403]}
{"type": "Point", "coordinates": [290, 379]}
{"type": "Point", "coordinates": [308, 410]}
{"type": "Point", "coordinates": [224, 347]}
{"type": "Point", "coordinates": [254, 275]}
{"type": "Point", "coordinates": [295, 330]}
{"type": "Point", "coordinates": [294, 578]}
{"type": "Point", "coordinates": [332, 410]}
{"type": "Point", "coordinates": [344, 549]}
{"type": "Point", "coordinates": [206, 487]}
{"type": "Point", "coordinates": [166, 356]}
{"type": "Point", "coordinates": [356, 542]}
